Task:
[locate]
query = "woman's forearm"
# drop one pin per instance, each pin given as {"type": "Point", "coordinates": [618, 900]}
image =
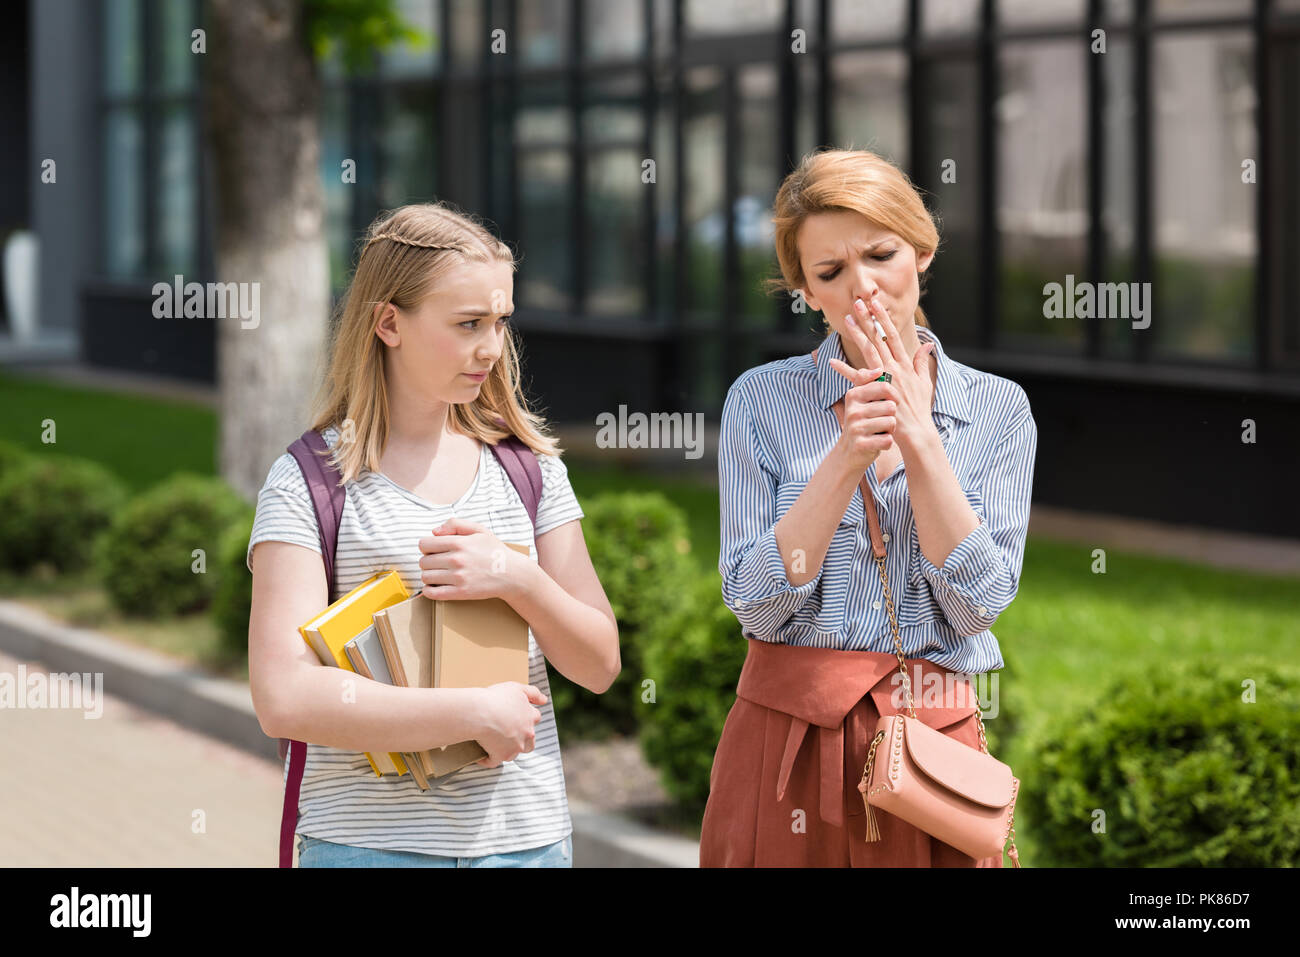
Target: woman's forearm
{"type": "Point", "coordinates": [342, 709]}
{"type": "Point", "coordinates": [942, 512]}
{"type": "Point", "coordinates": [804, 533]}
{"type": "Point", "coordinates": [575, 637]}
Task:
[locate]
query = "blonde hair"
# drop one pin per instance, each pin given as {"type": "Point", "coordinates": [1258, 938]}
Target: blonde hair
{"type": "Point", "coordinates": [846, 179]}
{"type": "Point", "coordinates": [407, 253]}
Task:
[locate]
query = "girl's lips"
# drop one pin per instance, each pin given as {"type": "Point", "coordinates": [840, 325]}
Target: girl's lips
{"type": "Point", "coordinates": [477, 377]}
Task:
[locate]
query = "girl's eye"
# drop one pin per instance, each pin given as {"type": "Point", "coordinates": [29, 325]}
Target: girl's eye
{"type": "Point", "coordinates": [472, 324]}
{"type": "Point", "coordinates": [835, 272]}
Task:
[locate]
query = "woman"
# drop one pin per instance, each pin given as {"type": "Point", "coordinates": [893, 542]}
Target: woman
{"type": "Point", "coordinates": [953, 455]}
{"type": "Point", "coordinates": [422, 365]}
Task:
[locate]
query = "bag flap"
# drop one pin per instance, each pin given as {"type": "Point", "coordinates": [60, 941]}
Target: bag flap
{"type": "Point", "coordinates": [976, 776]}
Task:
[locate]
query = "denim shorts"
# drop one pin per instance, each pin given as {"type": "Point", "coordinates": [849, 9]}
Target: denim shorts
{"type": "Point", "coordinates": [313, 852]}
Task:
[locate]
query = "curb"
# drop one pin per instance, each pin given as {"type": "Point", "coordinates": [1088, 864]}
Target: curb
{"type": "Point", "coordinates": [223, 709]}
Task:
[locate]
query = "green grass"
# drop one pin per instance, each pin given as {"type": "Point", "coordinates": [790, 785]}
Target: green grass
{"type": "Point", "coordinates": [141, 438]}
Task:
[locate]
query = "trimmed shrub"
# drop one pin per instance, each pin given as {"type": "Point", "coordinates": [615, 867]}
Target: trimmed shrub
{"type": "Point", "coordinates": [52, 507]}
{"type": "Point", "coordinates": [640, 550]}
{"type": "Point", "coordinates": [233, 601]}
{"type": "Point", "coordinates": [146, 559]}
{"type": "Point", "coordinates": [695, 664]}
{"type": "Point", "coordinates": [1188, 771]}
{"type": "Point", "coordinates": [11, 455]}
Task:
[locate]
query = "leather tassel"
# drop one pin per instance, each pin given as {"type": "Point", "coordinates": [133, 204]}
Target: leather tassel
{"type": "Point", "coordinates": [1015, 856]}
{"type": "Point", "coordinates": [873, 832]}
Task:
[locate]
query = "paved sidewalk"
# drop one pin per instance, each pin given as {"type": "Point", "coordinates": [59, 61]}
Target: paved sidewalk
{"type": "Point", "coordinates": [123, 789]}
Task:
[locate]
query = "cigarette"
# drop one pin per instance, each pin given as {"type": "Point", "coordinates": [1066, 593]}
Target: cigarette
{"type": "Point", "coordinates": [880, 330]}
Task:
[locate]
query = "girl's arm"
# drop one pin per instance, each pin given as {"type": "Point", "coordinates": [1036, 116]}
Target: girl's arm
{"type": "Point", "coordinates": [563, 602]}
{"type": "Point", "coordinates": [296, 696]}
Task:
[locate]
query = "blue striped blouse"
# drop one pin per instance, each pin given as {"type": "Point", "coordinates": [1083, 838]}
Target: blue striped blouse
{"type": "Point", "coordinates": [778, 424]}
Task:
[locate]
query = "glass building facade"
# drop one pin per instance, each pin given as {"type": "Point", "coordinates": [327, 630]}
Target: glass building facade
{"type": "Point", "coordinates": [630, 150]}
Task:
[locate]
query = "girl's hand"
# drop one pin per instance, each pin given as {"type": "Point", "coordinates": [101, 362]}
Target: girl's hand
{"type": "Point", "coordinates": [912, 389]}
{"type": "Point", "coordinates": [510, 716]}
{"type": "Point", "coordinates": [463, 560]}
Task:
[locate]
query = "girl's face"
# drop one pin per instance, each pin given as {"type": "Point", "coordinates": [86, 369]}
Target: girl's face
{"type": "Point", "coordinates": [846, 256]}
{"type": "Point", "coordinates": [444, 348]}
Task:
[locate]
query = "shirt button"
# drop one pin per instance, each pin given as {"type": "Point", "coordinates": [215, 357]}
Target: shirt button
{"type": "Point", "coordinates": [982, 611]}
{"type": "Point", "coordinates": [876, 606]}
{"type": "Point", "coordinates": [885, 536]}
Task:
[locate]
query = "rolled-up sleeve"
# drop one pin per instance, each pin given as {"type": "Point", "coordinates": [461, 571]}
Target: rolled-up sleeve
{"type": "Point", "coordinates": [980, 577]}
{"type": "Point", "coordinates": [754, 582]}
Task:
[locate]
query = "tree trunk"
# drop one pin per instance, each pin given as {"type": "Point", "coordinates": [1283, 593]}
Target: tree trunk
{"type": "Point", "coordinates": [262, 94]}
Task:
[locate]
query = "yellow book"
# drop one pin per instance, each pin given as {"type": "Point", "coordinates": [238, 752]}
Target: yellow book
{"type": "Point", "coordinates": [328, 632]}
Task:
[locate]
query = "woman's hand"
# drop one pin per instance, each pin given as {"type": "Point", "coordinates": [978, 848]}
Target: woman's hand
{"type": "Point", "coordinates": [463, 560]}
{"type": "Point", "coordinates": [912, 390]}
{"type": "Point", "coordinates": [868, 420]}
{"type": "Point", "coordinates": [509, 721]}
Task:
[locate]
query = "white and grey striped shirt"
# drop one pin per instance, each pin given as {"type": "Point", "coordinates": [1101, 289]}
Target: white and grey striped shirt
{"type": "Point", "coordinates": [778, 424]}
{"type": "Point", "coordinates": [476, 811]}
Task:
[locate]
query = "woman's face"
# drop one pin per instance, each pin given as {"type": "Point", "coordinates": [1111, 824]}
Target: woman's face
{"type": "Point", "coordinates": [456, 332]}
{"type": "Point", "coordinates": [846, 256]}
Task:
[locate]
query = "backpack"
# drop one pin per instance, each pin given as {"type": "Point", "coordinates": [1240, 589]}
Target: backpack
{"type": "Point", "coordinates": [327, 497]}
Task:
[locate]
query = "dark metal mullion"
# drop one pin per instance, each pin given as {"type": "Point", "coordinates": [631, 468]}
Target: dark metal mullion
{"type": "Point", "coordinates": [375, 116]}
{"type": "Point", "coordinates": [577, 165]}
{"type": "Point", "coordinates": [731, 357]}
{"type": "Point", "coordinates": [676, 360]}
{"type": "Point", "coordinates": [1142, 138]}
{"type": "Point", "coordinates": [787, 80]}
{"type": "Point", "coordinates": [649, 195]}
{"type": "Point", "coordinates": [512, 215]}
{"type": "Point", "coordinates": [824, 73]}
{"type": "Point", "coordinates": [441, 97]}
{"type": "Point", "coordinates": [352, 123]}
{"type": "Point", "coordinates": [918, 140]}
{"type": "Point", "coordinates": [1263, 208]}
{"type": "Point", "coordinates": [990, 286]}
{"type": "Point", "coordinates": [99, 142]}
{"type": "Point", "coordinates": [152, 265]}
{"type": "Point", "coordinates": [199, 98]}
{"type": "Point", "coordinates": [1096, 138]}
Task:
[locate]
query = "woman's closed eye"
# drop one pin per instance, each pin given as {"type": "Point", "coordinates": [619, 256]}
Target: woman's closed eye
{"type": "Point", "coordinates": [836, 271]}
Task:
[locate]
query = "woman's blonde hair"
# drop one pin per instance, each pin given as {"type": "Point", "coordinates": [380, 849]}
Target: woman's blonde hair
{"type": "Point", "coordinates": [847, 179]}
{"type": "Point", "coordinates": [407, 253]}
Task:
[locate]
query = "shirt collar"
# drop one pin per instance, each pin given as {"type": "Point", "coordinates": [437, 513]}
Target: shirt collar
{"type": "Point", "coordinates": [950, 397]}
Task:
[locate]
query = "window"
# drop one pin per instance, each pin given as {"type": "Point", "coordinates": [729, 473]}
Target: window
{"type": "Point", "coordinates": [149, 140]}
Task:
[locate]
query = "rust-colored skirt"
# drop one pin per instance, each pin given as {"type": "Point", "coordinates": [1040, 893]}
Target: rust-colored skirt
{"type": "Point", "coordinates": [784, 786]}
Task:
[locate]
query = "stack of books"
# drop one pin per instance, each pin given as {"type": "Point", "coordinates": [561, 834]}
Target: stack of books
{"type": "Point", "coordinates": [378, 630]}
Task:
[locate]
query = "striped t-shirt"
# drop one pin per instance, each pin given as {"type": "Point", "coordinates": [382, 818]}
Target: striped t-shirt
{"type": "Point", "coordinates": [778, 424]}
{"type": "Point", "coordinates": [475, 811]}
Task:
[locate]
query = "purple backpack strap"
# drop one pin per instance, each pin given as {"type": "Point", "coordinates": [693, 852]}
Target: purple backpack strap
{"type": "Point", "coordinates": [327, 498]}
{"type": "Point", "coordinates": [520, 463]}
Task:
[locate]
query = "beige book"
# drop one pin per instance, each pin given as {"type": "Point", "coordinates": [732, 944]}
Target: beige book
{"type": "Point", "coordinates": [479, 643]}
{"type": "Point", "coordinates": [406, 635]}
